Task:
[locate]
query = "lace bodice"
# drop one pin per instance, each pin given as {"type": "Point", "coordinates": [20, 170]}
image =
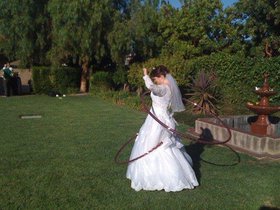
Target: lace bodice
{"type": "Point", "coordinates": [160, 94]}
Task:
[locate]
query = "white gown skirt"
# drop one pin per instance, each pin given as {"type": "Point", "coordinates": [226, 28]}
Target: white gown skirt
{"type": "Point", "coordinates": [168, 167]}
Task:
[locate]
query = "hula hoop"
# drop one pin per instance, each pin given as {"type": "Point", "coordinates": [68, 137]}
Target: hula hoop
{"type": "Point", "coordinates": [175, 132]}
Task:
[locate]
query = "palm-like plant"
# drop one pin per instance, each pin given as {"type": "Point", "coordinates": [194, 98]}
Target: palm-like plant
{"type": "Point", "coordinates": [203, 93]}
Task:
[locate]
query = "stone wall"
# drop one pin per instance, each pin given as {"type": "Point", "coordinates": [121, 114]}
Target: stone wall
{"type": "Point", "coordinates": [243, 141]}
{"type": "Point", "coordinates": [25, 76]}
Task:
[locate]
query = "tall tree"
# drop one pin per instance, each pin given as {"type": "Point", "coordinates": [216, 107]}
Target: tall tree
{"type": "Point", "coordinates": [80, 29]}
{"type": "Point", "coordinates": [24, 28]}
{"type": "Point", "coordinates": [136, 31]}
{"type": "Point", "coordinates": [259, 22]}
{"type": "Point", "coordinates": [196, 29]}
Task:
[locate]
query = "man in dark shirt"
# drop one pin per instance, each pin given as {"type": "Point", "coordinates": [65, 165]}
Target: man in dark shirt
{"type": "Point", "coordinates": [8, 75]}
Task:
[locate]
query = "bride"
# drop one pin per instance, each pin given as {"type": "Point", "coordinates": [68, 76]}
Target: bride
{"type": "Point", "coordinates": [168, 167]}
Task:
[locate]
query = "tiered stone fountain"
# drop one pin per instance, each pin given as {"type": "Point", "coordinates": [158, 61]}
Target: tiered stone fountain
{"type": "Point", "coordinates": [263, 109]}
{"type": "Point", "coordinates": [258, 135]}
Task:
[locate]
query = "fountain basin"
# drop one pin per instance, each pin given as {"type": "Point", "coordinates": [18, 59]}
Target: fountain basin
{"type": "Point", "coordinates": [242, 140]}
{"type": "Point", "coordinates": [265, 93]}
{"type": "Point", "coordinates": [263, 110]}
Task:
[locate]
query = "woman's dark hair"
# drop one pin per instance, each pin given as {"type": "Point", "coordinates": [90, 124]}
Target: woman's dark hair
{"type": "Point", "coordinates": [157, 71]}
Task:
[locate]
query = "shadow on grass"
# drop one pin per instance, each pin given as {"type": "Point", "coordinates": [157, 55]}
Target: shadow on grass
{"type": "Point", "coordinates": [268, 208]}
{"type": "Point", "coordinates": [196, 149]}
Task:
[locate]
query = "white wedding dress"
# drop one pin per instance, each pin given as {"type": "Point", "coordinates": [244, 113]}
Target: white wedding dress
{"type": "Point", "coordinates": [168, 167]}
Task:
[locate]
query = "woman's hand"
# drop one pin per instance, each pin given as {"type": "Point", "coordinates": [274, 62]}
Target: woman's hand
{"type": "Point", "coordinates": [145, 71]}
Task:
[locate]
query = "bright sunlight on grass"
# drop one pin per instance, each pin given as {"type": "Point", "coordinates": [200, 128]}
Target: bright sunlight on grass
{"type": "Point", "coordinates": [64, 160]}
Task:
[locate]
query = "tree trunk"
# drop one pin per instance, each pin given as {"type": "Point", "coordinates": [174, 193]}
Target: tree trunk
{"type": "Point", "coordinates": [268, 50]}
{"type": "Point", "coordinates": [126, 87]}
{"type": "Point", "coordinates": [84, 87]}
{"type": "Point", "coordinates": [139, 91]}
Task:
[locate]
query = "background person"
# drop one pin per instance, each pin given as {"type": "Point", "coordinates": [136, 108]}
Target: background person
{"type": "Point", "coordinates": [8, 79]}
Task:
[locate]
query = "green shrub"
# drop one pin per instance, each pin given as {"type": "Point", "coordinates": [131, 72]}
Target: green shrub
{"type": "Point", "coordinates": [55, 79]}
{"type": "Point", "coordinates": [119, 77]}
{"type": "Point", "coordinates": [41, 77]}
{"type": "Point", "coordinates": [237, 75]}
{"type": "Point", "coordinates": [179, 68]}
{"type": "Point", "coordinates": [101, 81]}
{"type": "Point", "coordinates": [66, 79]}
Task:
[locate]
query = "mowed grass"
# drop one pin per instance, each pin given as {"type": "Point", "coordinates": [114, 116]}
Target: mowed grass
{"type": "Point", "coordinates": [65, 160]}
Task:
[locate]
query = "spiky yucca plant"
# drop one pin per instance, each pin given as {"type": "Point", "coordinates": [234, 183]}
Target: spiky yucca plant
{"type": "Point", "coordinates": [203, 93]}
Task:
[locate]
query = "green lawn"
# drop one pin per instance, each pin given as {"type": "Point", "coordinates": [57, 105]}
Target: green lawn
{"type": "Point", "coordinates": [65, 161]}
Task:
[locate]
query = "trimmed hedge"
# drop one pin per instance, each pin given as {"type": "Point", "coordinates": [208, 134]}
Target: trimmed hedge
{"type": "Point", "coordinates": [55, 79]}
{"type": "Point", "coordinates": [179, 68]}
{"type": "Point", "coordinates": [237, 76]}
{"type": "Point", "coordinates": [41, 79]}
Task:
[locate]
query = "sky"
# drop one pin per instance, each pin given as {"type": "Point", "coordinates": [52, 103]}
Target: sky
{"type": "Point", "coordinates": [226, 3]}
